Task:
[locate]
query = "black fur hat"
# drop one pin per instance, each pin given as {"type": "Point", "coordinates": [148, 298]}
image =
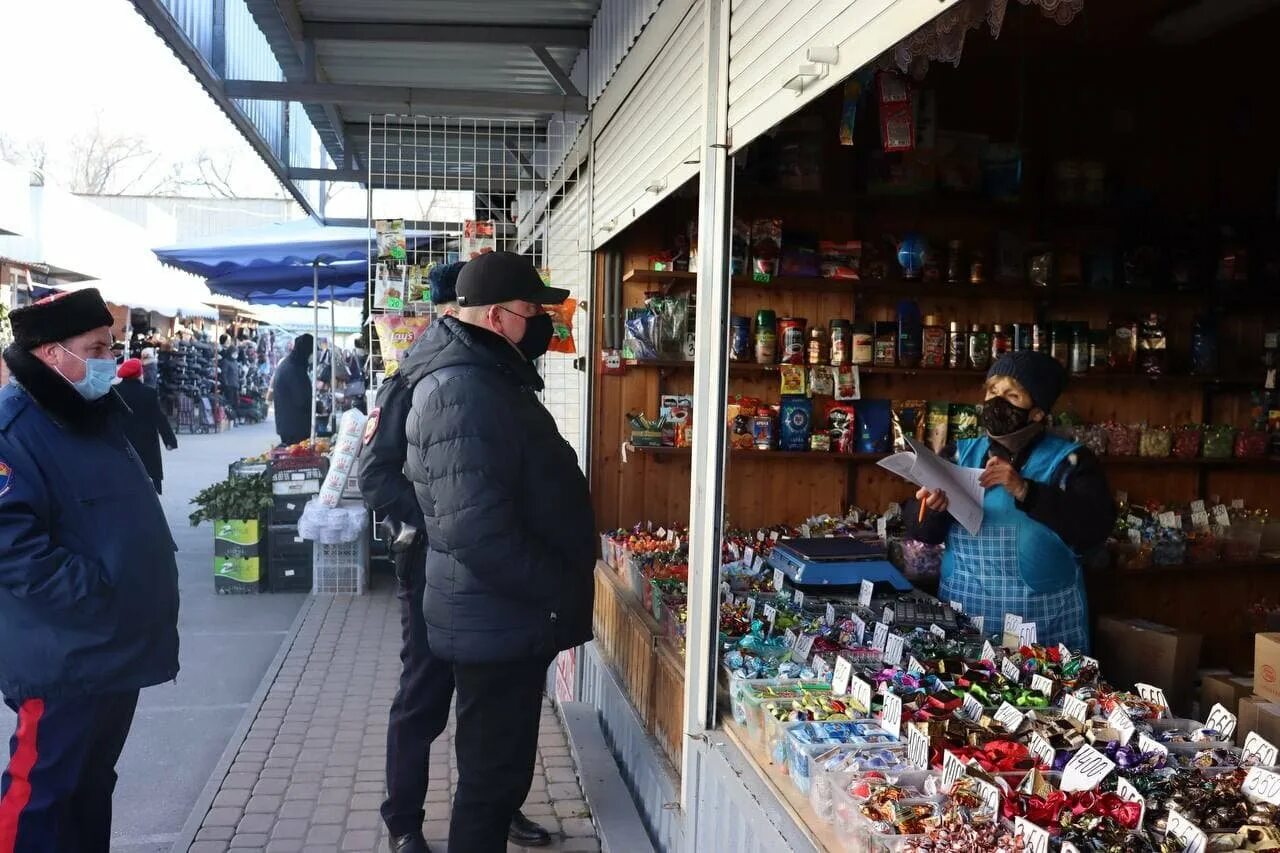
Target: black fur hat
{"type": "Point", "coordinates": [58, 317]}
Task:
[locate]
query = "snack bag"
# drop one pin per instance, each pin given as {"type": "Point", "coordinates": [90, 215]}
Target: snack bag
{"type": "Point", "coordinates": [793, 379]}
{"type": "Point", "coordinates": [841, 423]}
{"type": "Point", "coordinates": [477, 239]}
{"type": "Point", "coordinates": [908, 421]}
{"type": "Point", "coordinates": [388, 288]}
{"type": "Point", "coordinates": [391, 243]}
{"type": "Point", "coordinates": [562, 326]}
{"type": "Point", "coordinates": [794, 422]}
{"type": "Point", "coordinates": [396, 336]}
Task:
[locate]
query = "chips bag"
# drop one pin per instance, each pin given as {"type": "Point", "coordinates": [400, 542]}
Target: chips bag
{"type": "Point", "coordinates": [396, 336]}
{"type": "Point", "coordinates": [562, 326]}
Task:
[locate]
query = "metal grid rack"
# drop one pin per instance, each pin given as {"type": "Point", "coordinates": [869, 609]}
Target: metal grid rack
{"type": "Point", "coordinates": [341, 568]}
{"type": "Point", "coordinates": [441, 176]}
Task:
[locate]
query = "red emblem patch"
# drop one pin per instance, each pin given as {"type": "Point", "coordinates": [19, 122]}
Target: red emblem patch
{"type": "Point", "coordinates": [371, 426]}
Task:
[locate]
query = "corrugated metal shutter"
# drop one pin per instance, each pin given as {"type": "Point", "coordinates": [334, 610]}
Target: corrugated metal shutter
{"type": "Point", "coordinates": [652, 144]}
{"type": "Point", "coordinates": [569, 260]}
{"type": "Point", "coordinates": [769, 41]}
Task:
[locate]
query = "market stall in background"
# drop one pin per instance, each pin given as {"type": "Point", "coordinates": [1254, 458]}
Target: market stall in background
{"type": "Point", "coordinates": [954, 199]}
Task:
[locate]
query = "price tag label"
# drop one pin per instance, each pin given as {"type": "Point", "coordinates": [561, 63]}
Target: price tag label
{"type": "Point", "coordinates": [1154, 695]}
{"type": "Point", "coordinates": [1009, 717]}
{"type": "Point", "coordinates": [952, 769]}
{"type": "Point", "coordinates": [749, 555]}
{"type": "Point", "coordinates": [773, 536]}
{"type": "Point", "coordinates": [1261, 785]}
{"type": "Point", "coordinates": [1011, 623]}
{"type": "Point", "coordinates": [1086, 769]}
{"type": "Point", "coordinates": [1186, 833]}
{"type": "Point", "coordinates": [989, 652]}
{"type": "Point", "coordinates": [757, 565]}
{"type": "Point", "coordinates": [770, 613]}
{"type": "Point", "coordinates": [1037, 839]}
{"type": "Point", "coordinates": [1043, 685]}
{"type": "Point", "coordinates": [886, 616]}
{"type": "Point", "coordinates": [1146, 743]}
{"type": "Point", "coordinates": [798, 598]}
{"type": "Point", "coordinates": [1119, 720]}
{"type": "Point", "coordinates": [751, 608]}
{"type": "Point", "coordinates": [662, 533]}
{"type": "Point", "coordinates": [1169, 519]}
{"type": "Point", "coordinates": [917, 748]}
{"type": "Point", "coordinates": [1197, 506]}
{"type": "Point", "coordinates": [804, 648]}
{"type": "Point", "coordinates": [831, 614]}
{"type": "Point", "coordinates": [1221, 720]}
{"type": "Point", "coordinates": [840, 676]}
{"type": "Point", "coordinates": [779, 580]}
{"type": "Point", "coordinates": [1075, 708]}
{"type": "Point", "coordinates": [1064, 652]}
{"type": "Point", "coordinates": [937, 631]}
{"type": "Point", "coordinates": [1260, 749]}
{"type": "Point", "coordinates": [882, 523]}
{"type": "Point", "coordinates": [1200, 520]}
{"type": "Point", "coordinates": [1135, 536]}
{"type": "Point", "coordinates": [1133, 521]}
{"type": "Point", "coordinates": [864, 593]}
{"type": "Point", "coordinates": [1041, 749]}
{"type": "Point", "coordinates": [860, 694]}
{"type": "Point", "coordinates": [859, 628]}
{"type": "Point", "coordinates": [914, 666]}
{"type": "Point", "coordinates": [990, 795]}
{"type": "Point", "coordinates": [671, 536]}
{"type": "Point", "coordinates": [880, 637]}
{"type": "Point", "coordinates": [893, 649]}
{"type": "Point", "coordinates": [979, 623]}
{"type": "Point", "coordinates": [1237, 503]}
{"type": "Point", "coordinates": [1221, 516]}
{"type": "Point", "coordinates": [1027, 633]}
{"type": "Point", "coordinates": [956, 606]}
{"type": "Point", "coordinates": [1010, 670]}
{"type": "Point", "coordinates": [891, 716]}
{"type": "Point", "coordinates": [1128, 793]}
{"type": "Point", "coordinates": [790, 638]}
{"type": "Point", "coordinates": [1085, 660]}
{"type": "Point", "coordinates": [972, 708]}
{"type": "Point", "coordinates": [759, 535]}
{"type": "Point", "coordinates": [820, 666]}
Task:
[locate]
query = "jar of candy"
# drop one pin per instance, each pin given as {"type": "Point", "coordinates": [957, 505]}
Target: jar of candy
{"type": "Point", "coordinates": [1095, 438]}
{"type": "Point", "coordinates": [1186, 441]}
{"type": "Point", "coordinates": [1219, 440]}
{"type": "Point", "coordinates": [1169, 548]}
{"type": "Point", "coordinates": [1203, 547]}
{"type": "Point", "coordinates": [1251, 444]}
{"type": "Point", "coordinates": [1132, 557]}
{"type": "Point", "coordinates": [1243, 542]}
{"type": "Point", "coordinates": [1122, 439]}
{"type": "Point", "coordinates": [921, 561]}
{"type": "Point", "coordinates": [1155, 443]}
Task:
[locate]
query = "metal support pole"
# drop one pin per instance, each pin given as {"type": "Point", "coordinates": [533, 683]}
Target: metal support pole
{"type": "Point", "coordinates": [315, 342]}
{"type": "Point", "coordinates": [710, 387]}
{"type": "Point", "coordinates": [333, 364]}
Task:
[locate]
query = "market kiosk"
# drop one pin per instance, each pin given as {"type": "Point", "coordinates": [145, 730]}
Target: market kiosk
{"type": "Point", "coordinates": [840, 281]}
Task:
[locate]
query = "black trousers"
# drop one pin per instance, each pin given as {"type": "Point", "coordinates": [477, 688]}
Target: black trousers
{"type": "Point", "coordinates": [55, 795]}
{"type": "Point", "coordinates": [499, 705]}
{"type": "Point", "coordinates": [420, 711]}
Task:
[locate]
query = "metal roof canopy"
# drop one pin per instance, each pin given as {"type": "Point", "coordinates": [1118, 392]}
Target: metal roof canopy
{"type": "Point", "coordinates": [347, 60]}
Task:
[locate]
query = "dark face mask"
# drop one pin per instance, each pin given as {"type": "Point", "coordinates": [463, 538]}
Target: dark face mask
{"type": "Point", "coordinates": [1000, 417]}
{"type": "Point", "coordinates": [538, 330]}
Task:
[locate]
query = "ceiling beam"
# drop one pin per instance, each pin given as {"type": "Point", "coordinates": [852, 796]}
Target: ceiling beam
{"type": "Point", "coordinates": [404, 97]}
{"type": "Point", "coordinates": [557, 73]}
{"type": "Point", "coordinates": [438, 33]}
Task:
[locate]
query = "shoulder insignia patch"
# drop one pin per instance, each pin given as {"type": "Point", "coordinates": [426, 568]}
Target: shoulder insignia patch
{"type": "Point", "coordinates": [371, 426]}
{"type": "Point", "coordinates": [6, 477]}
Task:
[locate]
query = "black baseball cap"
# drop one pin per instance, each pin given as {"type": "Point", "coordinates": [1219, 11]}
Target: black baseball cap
{"type": "Point", "coordinates": [497, 277]}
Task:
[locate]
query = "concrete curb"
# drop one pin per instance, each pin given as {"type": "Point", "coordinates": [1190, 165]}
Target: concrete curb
{"type": "Point", "coordinates": [203, 803]}
{"type": "Point", "coordinates": [613, 811]}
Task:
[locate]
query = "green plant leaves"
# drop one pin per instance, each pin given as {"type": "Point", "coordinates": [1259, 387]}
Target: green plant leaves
{"type": "Point", "coordinates": [235, 497]}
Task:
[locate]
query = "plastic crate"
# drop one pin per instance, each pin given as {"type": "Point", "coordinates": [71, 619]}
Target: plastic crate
{"type": "Point", "coordinates": [342, 568]}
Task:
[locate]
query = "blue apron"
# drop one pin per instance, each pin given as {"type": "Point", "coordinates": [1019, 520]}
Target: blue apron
{"type": "Point", "coordinates": [1016, 564]}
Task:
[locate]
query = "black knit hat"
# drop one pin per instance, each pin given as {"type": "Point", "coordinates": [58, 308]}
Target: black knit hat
{"type": "Point", "coordinates": [58, 317]}
{"type": "Point", "coordinates": [1040, 374]}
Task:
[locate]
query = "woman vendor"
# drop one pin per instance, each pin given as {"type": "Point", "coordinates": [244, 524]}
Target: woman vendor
{"type": "Point", "coordinates": [1047, 502]}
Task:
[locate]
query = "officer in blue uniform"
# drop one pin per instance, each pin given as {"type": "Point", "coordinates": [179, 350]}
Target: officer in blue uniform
{"type": "Point", "coordinates": [88, 579]}
{"type": "Point", "coordinates": [1047, 502]}
{"type": "Point", "coordinates": [420, 709]}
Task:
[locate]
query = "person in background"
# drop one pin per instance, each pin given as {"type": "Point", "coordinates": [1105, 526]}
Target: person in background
{"type": "Point", "coordinates": [420, 709]}
{"type": "Point", "coordinates": [291, 392]}
{"type": "Point", "coordinates": [443, 279]}
{"type": "Point", "coordinates": [510, 531]}
{"type": "Point", "coordinates": [145, 425]}
{"type": "Point", "coordinates": [1047, 502]}
{"type": "Point", "coordinates": [150, 368]}
{"type": "Point", "coordinates": [88, 578]}
{"type": "Point", "coordinates": [229, 376]}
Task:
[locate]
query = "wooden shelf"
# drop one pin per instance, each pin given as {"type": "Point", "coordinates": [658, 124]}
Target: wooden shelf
{"type": "Point", "coordinates": [769, 455]}
{"type": "Point", "coordinates": [1218, 568]}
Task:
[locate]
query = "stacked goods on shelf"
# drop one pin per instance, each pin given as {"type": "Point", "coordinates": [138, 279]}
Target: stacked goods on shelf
{"type": "Point", "coordinates": [296, 475]}
{"type": "Point", "coordinates": [188, 384]}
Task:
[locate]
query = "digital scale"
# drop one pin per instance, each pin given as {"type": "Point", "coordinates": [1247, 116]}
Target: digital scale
{"type": "Point", "coordinates": [839, 561]}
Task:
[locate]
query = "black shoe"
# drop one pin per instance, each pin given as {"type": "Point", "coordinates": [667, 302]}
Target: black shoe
{"type": "Point", "coordinates": [526, 833]}
{"type": "Point", "coordinates": [411, 843]}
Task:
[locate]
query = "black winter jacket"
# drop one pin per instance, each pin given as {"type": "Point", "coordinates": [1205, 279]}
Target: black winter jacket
{"type": "Point", "coordinates": [146, 425]}
{"type": "Point", "coordinates": [510, 529]}
{"type": "Point", "coordinates": [291, 393]}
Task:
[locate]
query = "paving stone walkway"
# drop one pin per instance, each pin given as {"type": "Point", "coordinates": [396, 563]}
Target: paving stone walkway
{"type": "Point", "coordinates": [309, 775]}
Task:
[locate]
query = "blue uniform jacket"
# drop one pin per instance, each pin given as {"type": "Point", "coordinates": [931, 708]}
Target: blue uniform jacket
{"type": "Point", "coordinates": [88, 577]}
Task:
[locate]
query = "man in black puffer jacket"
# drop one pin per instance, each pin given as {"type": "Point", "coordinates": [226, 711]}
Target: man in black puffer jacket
{"type": "Point", "coordinates": [509, 528]}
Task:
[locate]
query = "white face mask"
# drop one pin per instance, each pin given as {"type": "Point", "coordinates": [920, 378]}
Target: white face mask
{"type": "Point", "coordinates": [99, 374]}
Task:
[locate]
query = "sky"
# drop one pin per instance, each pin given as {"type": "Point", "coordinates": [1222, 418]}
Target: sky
{"type": "Point", "coordinates": [67, 64]}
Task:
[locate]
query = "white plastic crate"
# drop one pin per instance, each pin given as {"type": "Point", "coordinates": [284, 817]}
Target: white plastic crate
{"type": "Point", "coordinates": [341, 568]}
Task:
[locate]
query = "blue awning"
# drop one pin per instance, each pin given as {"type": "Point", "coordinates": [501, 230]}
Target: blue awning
{"type": "Point", "coordinates": [299, 243]}
{"type": "Point", "coordinates": [244, 283]}
{"type": "Point", "coordinates": [304, 297]}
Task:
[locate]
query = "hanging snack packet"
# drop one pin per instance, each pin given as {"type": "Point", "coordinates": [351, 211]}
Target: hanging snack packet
{"type": "Point", "coordinates": [848, 386]}
{"type": "Point", "coordinates": [388, 288]}
{"type": "Point", "coordinates": [792, 379]}
{"type": "Point", "coordinates": [396, 336]}
{"type": "Point", "coordinates": [795, 416]}
{"type": "Point", "coordinates": [822, 382]}
{"type": "Point", "coordinates": [562, 326]}
{"type": "Point", "coordinates": [841, 427]}
{"type": "Point", "coordinates": [908, 422]}
{"type": "Point", "coordinates": [936, 426]}
{"type": "Point", "coordinates": [963, 422]}
{"type": "Point", "coordinates": [391, 243]}
{"type": "Point", "coordinates": [873, 426]}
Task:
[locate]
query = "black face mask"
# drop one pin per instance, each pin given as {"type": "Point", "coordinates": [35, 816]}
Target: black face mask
{"type": "Point", "coordinates": [538, 330]}
{"type": "Point", "coordinates": [1000, 417]}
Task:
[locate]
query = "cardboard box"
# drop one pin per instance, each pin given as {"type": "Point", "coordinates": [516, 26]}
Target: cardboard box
{"type": "Point", "coordinates": [1225, 689]}
{"type": "Point", "coordinates": [1261, 715]}
{"type": "Point", "coordinates": [1266, 665]}
{"type": "Point", "coordinates": [1135, 650]}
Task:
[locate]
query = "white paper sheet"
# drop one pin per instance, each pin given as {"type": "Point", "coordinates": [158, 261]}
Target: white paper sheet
{"type": "Point", "coordinates": [926, 469]}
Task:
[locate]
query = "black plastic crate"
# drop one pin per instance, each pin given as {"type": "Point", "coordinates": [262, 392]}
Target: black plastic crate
{"type": "Point", "coordinates": [294, 576]}
{"type": "Point", "coordinates": [287, 509]}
